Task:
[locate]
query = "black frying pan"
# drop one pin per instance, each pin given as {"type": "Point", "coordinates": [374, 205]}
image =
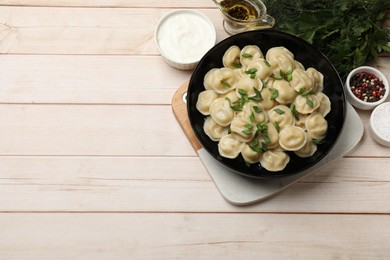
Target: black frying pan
{"type": "Point", "coordinates": [304, 53]}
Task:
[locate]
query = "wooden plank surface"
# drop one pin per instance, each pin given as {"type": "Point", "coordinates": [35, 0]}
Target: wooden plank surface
{"type": "Point", "coordinates": [94, 165]}
{"type": "Point", "coordinates": [71, 31]}
{"type": "Point", "coordinates": [194, 236]}
{"type": "Point", "coordinates": [149, 184]}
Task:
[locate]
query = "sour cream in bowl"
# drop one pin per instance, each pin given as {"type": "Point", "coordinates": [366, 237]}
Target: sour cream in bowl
{"type": "Point", "coordinates": [183, 37]}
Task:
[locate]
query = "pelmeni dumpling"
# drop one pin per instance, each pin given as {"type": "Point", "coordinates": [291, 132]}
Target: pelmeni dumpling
{"type": "Point", "coordinates": [306, 104]}
{"type": "Point", "coordinates": [227, 81]}
{"type": "Point", "coordinates": [318, 80]}
{"type": "Point", "coordinates": [325, 105]}
{"type": "Point", "coordinates": [281, 59]}
{"type": "Point", "coordinates": [213, 130]}
{"type": "Point", "coordinates": [231, 58]}
{"type": "Point", "coordinates": [255, 111]}
{"type": "Point", "coordinates": [316, 126]}
{"type": "Point", "coordinates": [211, 79]}
{"type": "Point", "coordinates": [231, 96]}
{"type": "Point", "coordinates": [292, 138]}
{"type": "Point", "coordinates": [221, 112]}
{"type": "Point", "coordinates": [267, 102]}
{"type": "Point", "coordinates": [308, 149]}
{"type": "Point", "coordinates": [298, 65]}
{"type": "Point", "coordinates": [230, 147]}
{"type": "Point", "coordinates": [205, 98]}
{"type": "Point", "coordinates": [301, 81]}
{"type": "Point", "coordinates": [261, 67]}
{"type": "Point", "coordinates": [249, 154]}
{"type": "Point", "coordinates": [273, 136]}
{"type": "Point", "coordinates": [242, 128]}
{"type": "Point", "coordinates": [286, 94]}
{"type": "Point", "coordinates": [274, 51]}
{"type": "Point", "coordinates": [301, 120]}
{"type": "Point", "coordinates": [250, 53]}
{"type": "Point", "coordinates": [282, 115]}
{"type": "Point", "coordinates": [249, 85]}
{"type": "Point", "coordinates": [273, 160]}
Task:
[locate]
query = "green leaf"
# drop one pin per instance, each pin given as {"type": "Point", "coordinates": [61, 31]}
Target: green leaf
{"type": "Point", "coordinates": [246, 131]}
{"type": "Point", "coordinates": [279, 111]}
{"type": "Point", "coordinates": [237, 65]}
{"type": "Point", "coordinates": [309, 102]}
{"type": "Point", "coordinates": [318, 141]}
{"type": "Point", "coordinates": [226, 84]}
{"type": "Point", "coordinates": [246, 55]}
{"type": "Point", "coordinates": [294, 111]}
{"type": "Point", "coordinates": [242, 92]}
{"type": "Point", "coordinates": [252, 117]}
{"type": "Point", "coordinates": [255, 146]}
{"type": "Point", "coordinates": [276, 124]}
{"type": "Point", "coordinates": [274, 92]}
{"type": "Point", "coordinates": [249, 126]}
{"type": "Point", "coordinates": [257, 109]}
{"type": "Point", "coordinates": [251, 71]}
{"type": "Point", "coordinates": [267, 63]}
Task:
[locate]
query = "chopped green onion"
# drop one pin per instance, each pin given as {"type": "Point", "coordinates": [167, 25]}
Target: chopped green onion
{"type": "Point", "coordinates": [309, 102]}
{"type": "Point", "coordinates": [242, 92]}
{"type": "Point", "coordinates": [247, 55]}
{"type": "Point", "coordinates": [226, 84]}
{"type": "Point", "coordinates": [277, 126]}
{"type": "Point", "coordinates": [247, 131]}
{"type": "Point", "coordinates": [279, 111]}
{"type": "Point", "coordinates": [318, 141]}
{"type": "Point", "coordinates": [257, 109]}
{"type": "Point", "coordinates": [237, 65]}
{"type": "Point", "coordinates": [252, 117]}
{"type": "Point", "coordinates": [275, 93]}
{"type": "Point", "coordinates": [267, 63]}
{"type": "Point", "coordinates": [251, 71]}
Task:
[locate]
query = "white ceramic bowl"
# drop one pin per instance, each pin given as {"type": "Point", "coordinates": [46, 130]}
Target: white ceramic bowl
{"type": "Point", "coordinates": [363, 104]}
{"type": "Point", "coordinates": [183, 36]}
{"type": "Point", "coordinates": [380, 124]}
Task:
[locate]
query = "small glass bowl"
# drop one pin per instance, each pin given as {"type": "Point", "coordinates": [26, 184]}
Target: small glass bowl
{"type": "Point", "coordinates": [358, 103]}
{"type": "Point", "coordinates": [233, 25]}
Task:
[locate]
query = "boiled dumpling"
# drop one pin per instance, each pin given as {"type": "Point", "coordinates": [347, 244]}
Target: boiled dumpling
{"type": "Point", "coordinates": [308, 149]}
{"type": "Point", "coordinates": [211, 79]}
{"type": "Point", "coordinates": [205, 98]}
{"type": "Point", "coordinates": [242, 128]}
{"type": "Point", "coordinates": [306, 104]}
{"type": "Point", "coordinates": [282, 115]}
{"type": "Point", "coordinates": [250, 155]}
{"type": "Point", "coordinates": [261, 69]}
{"type": "Point", "coordinates": [231, 57]}
{"type": "Point", "coordinates": [267, 102]}
{"type": "Point", "coordinates": [318, 80]}
{"type": "Point", "coordinates": [255, 112]}
{"type": "Point", "coordinates": [231, 96]}
{"type": "Point", "coordinates": [230, 147]}
{"type": "Point", "coordinates": [249, 85]}
{"type": "Point", "coordinates": [301, 81]}
{"type": "Point", "coordinates": [281, 60]}
{"type": "Point", "coordinates": [213, 130]}
{"type": "Point", "coordinates": [292, 138]}
{"type": "Point", "coordinates": [227, 81]}
{"type": "Point", "coordinates": [286, 94]}
{"type": "Point", "coordinates": [272, 136]}
{"type": "Point", "coordinates": [325, 105]}
{"type": "Point", "coordinates": [300, 120]}
{"type": "Point", "coordinates": [221, 112]}
{"type": "Point", "coordinates": [274, 160]}
{"type": "Point", "coordinates": [316, 126]}
{"type": "Point", "coordinates": [250, 53]}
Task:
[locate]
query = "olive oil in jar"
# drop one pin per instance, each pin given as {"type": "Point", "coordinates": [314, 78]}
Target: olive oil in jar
{"type": "Point", "coordinates": [240, 9]}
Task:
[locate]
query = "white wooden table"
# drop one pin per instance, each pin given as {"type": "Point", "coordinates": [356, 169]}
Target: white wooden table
{"type": "Point", "coordinates": [93, 164]}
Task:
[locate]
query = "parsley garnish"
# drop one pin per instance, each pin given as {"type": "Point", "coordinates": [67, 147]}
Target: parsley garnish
{"type": "Point", "coordinates": [349, 33]}
{"type": "Point", "coordinates": [226, 84]}
{"type": "Point", "coordinates": [274, 92]}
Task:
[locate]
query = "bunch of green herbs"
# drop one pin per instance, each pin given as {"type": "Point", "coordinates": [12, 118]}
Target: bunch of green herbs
{"type": "Point", "coordinates": [349, 32]}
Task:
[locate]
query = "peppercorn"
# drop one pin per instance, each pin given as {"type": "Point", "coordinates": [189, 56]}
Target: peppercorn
{"type": "Point", "coordinates": [367, 87]}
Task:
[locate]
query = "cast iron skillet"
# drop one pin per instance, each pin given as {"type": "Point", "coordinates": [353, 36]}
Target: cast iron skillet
{"type": "Point", "coordinates": [304, 53]}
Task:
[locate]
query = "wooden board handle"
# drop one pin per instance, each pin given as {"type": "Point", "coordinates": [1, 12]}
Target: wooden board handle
{"type": "Point", "coordinates": [180, 111]}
